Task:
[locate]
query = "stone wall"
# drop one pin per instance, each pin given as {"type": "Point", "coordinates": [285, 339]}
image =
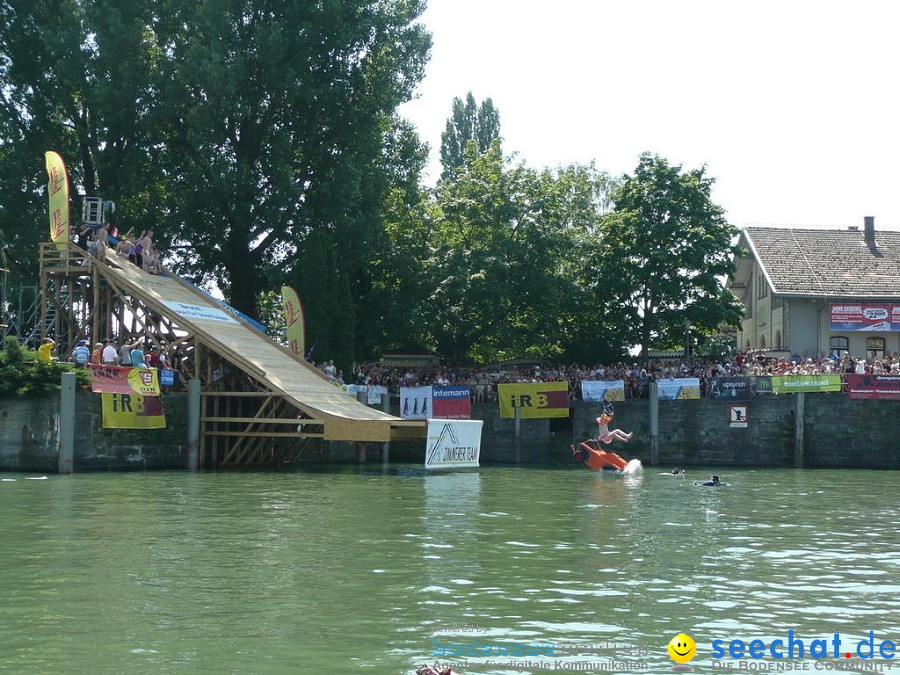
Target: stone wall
{"type": "Point", "coordinates": [838, 433]}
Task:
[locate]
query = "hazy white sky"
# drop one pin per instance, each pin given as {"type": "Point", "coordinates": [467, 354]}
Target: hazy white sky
{"type": "Point", "coordinates": [792, 105]}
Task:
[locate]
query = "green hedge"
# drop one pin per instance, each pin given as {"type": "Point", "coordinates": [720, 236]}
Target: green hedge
{"type": "Point", "coordinates": [23, 375]}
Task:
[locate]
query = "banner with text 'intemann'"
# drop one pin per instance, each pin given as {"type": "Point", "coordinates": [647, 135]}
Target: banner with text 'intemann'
{"type": "Point", "coordinates": [132, 411]}
{"type": "Point", "coordinates": [534, 399]}
{"type": "Point", "coordinates": [453, 444]}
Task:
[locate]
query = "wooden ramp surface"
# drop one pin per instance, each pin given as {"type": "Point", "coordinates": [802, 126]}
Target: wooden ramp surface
{"type": "Point", "coordinates": [344, 417]}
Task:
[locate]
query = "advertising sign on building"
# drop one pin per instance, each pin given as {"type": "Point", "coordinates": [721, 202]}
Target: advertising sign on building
{"type": "Point", "coordinates": [131, 411]}
{"type": "Point", "coordinates": [611, 390]}
{"type": "Point", "coordinates": [122, 380]}
{"type": "Point", "coordinates": [453, 444]}
{"type": "Point", "coordinates": [869, 317]}
{"type": "Point", "coordinates": [873, 387]}
{"type": "Point", "coordinates": [729, 389]}
{"type": "Point", "coordinates": [534, 399]}
{"type": "Point", "coordinates": [679, 388]}
{"type": "Point", "coordinates": [415, 403]}
{"type": "Point", "coordinates": [452, 403]}
{"type": "Point", "coordinates": [790, 384]}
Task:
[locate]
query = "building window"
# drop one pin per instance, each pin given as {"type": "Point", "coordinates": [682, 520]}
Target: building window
{"type": "Point", "coordinates": [840, 346]}
{"type": "Point", "coordinates": [762, 341]}
{"type": "Point", "coordinates": [777, 339]}
{"type": "Point", "coordinates": [762, 287]}
{"type": "Point", "coordinates": [874, 348]}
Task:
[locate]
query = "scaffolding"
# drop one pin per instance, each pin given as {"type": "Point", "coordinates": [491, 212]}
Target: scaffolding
{"type": "Point", "coordinates": [260, 404]}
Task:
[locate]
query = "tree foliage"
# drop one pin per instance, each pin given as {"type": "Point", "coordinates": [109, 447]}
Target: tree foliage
{"type": "Point", "coordinates": [23, 375]}
{"type": "Point", "coordinates": [502, 258]}
{"type": "Point", "coordinates": [468, 122]}
{"type": "Point", "coordinates": [232, 129]}
{"type": "Point", "coordinates": [664, 254]}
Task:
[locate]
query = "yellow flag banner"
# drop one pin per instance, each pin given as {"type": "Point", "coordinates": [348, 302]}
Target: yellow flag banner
{"type": "Point", "coordinates": [58, 192]}
{"type": "Point", "coordinates": [132, 411]}
{"type": "Point", "coordinates": [534, 399]}
{"type": "Point", "coordinates": [293, 317]}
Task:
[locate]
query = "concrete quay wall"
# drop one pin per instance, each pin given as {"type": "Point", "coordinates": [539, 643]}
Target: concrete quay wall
{"type": "Point", "coordinates": [838, 433]}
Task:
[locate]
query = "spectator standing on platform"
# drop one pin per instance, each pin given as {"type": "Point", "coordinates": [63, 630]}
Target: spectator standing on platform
{"type": "Point", "coordinates": [97, 354]}
{"type": "Point", "coordinates": [45, 351]}
{"type": "Point", "coordinates": [137, 356]}
{"type": "Point", "coordinates": [102, 241]}
{"type": "Point", "coordinates": [125, 353]}
{"type": "Point", "coordinates": [81, 354]}
{"type": "Point", "coordinates": [162, 358]}
{"type": "Point", "coordinates": [110, 354]}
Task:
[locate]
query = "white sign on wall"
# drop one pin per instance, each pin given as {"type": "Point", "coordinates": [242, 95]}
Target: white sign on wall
{"type": "Point", "coordinates": [738, 416]}
{"type": "Point", "coordinates": [453, 444]}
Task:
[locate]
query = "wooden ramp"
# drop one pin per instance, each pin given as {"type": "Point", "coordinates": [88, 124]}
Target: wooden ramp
{"type": "Point", "coordinates": [271, 365]}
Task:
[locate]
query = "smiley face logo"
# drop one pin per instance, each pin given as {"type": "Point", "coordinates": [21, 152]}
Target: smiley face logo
{"type": "Point", "coordinates": [682, 648]}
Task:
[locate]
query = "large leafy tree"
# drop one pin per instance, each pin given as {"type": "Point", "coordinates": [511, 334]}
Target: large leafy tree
{"type": "Point", "coordinates": [77, 78]}
{"type": "Point", "coordinates": [503, 258]}
{"type": "Point", "coordinates": [276, 119]}
{"type": "Point", "coordinates": [665, 252]}
{"type": "Point", "coordinates": [468, 122]}
{"type": "Point", "coordinates": [232, 128]}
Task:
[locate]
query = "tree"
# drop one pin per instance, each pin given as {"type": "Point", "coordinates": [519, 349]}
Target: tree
{"type": "Point", "coordinates": [468, 122]}
{"type": "Point", "coordinates": [77, 78]}
{"type": "Point", "coordinates": [501, 268]}
{"type": "Point", "coordinates": [665, 252]}
{"type": "Point", "coordinates": [232, 129]}
{"type": "Point", "coordinates": [276, 118]}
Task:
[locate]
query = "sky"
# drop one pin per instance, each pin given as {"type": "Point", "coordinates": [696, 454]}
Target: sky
{"type": "Point", "coordinates": [791, 105]}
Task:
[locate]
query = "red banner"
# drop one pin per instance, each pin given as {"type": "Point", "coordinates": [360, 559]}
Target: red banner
{"type": "Point", "coordinates": [451, 403]}
{"type": "Point", "coordinates": [873, 387]}
{"type": "Point", "coordinates": [121, 380]}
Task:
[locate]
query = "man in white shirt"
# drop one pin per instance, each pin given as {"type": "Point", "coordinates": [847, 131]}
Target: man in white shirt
{"type": "Point", "coordinates": [110, 354]}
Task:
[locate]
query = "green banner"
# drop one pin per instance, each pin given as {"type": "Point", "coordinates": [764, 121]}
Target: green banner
{"type": "Point", "coordinates": [789, 384]}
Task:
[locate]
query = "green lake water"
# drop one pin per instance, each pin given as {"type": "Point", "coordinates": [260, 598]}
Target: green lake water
{"type": "Point", "coordinates": [353, 571]}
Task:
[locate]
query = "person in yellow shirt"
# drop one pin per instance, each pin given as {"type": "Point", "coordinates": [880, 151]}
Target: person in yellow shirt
{"type": "Point", "coordinates": [45, 351]}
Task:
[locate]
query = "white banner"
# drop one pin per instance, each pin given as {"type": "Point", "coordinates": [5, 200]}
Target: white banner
{"type": "Point", "coordinates": [679, 388]}
{"type": "Point", "coordinates": [613, 390]}
{"type": "Point", "coordinates": [374, 394]}
{"type": "Point", "coordinates": [415, 403]}
{"type": "Point", "coordinates": [453, 444]}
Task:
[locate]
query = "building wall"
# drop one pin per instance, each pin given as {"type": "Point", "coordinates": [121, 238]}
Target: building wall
{"type": "Point", "coordinates": [805, 327]}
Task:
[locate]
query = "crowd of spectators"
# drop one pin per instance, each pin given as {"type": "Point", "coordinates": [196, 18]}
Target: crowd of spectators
{"type": "Point", "coordinates": [635, 374]}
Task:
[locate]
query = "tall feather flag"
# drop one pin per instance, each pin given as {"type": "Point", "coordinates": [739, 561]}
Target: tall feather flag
{"type": "Point", "coordinates": [58, 193]}
{"type": "Point", "coordinates": [293, 317]}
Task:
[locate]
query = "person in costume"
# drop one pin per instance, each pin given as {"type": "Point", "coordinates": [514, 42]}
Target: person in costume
{"type": "Point", "coordinates": [606, 435]}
